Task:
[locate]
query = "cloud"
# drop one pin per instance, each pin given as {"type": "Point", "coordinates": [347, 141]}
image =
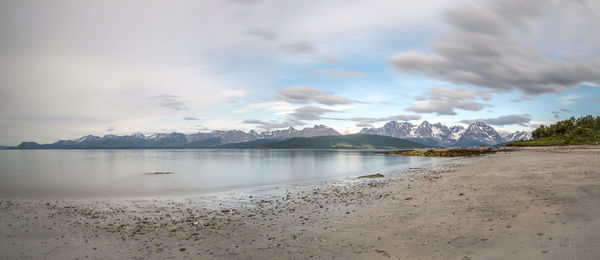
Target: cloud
{"type": "Point", "coordinates": [517, 100]}
{"type": "Point", "coordinates": [191, 118]}
{"type": "Point", "coordinates": [485, 48]}
{"type": "Point", "coordinates": [170, 101]}
{"type": "Point", "coordinates": [306, 94]}
{"type": "Point", "coordinates": [443, 101]}
{"type": "Point", "coordinates": [279, 107]}
{"type": "Point", "coordinates": [273, 124]}
{"type": "Point", "coordinates": [565, 110]}
{"type": "Point", "coordinates": [328, 73]}
{"type": "Point", "coordinates": [299, 48]}
{"type": "Point", "coordinates": [110, 129]}
{"type": "Point", "coordinates": [569, 99]}
{"type": "Point", "coordinates": [367, 121]}
{"type": "Point", "coordinates": [309, 113]}
{"type": "Point", "coordinates": [263, 35]}
{"type": "Point", "coordinates": [522, 120]}
{"type": "Point", "coordinates": [364, 125]}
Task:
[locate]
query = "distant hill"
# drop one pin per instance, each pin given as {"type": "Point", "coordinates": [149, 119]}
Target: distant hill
{"type": "Point", "coordinates": [355, 141]}
{"type": "Point", "coordinates": [583, 130]}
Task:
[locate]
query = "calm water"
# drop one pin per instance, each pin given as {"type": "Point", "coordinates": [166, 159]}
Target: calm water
{"type": "Point", "coordinates": [126, 172]}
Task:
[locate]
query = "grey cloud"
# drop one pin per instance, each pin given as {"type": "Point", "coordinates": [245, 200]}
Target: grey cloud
{"type": "Point", "coordinates": [300, 94]}
{"type": "Point", "coordinates": [481, 50]}
{"type": "Point", "coordinates": [555, 114]}
{"type": "Point", "coordinates": [367, 121]}
{"type": "Point", "coordinates": [301, 47]}
{"type": "Point", "coordinates": [244, 1]}
{"type": "Point", "coordinates": [364, 125]}
{"type": "Point", "coordinates": [517, 100]}
{"type": "Point", "coordinates": [191, 118]}
{"type": "Point", "coordinates": [296, 118]}
{"type": "Point", "coordinates": [385, 119]}
{"type": "Point", "coordinates": [338, 73]}
{"type": "Point", "coordinates": [273, 124]}
{"type": "Point", "coordinates": [110, 129]}
{"type": "Point", "coordinates": [306, 94]}
{"type": "Point", "coordinates": [443, 101]}
{"type": "Point", "coordinates": [309, 113]}
{"type": "Point", "coordinates": [263, 35]}
{"type": "Point", "coordinates": [330, 59]}
{"type": "Point", "coordinates": [332, 100]}
{"type": "Point", "coordinates": [170, 101]}
{"type": "Point", "coordinates": [522, 120]}
{"type": "Point", "coordinates": [163, 96]}
{"type": "Point", "coordinates": [307, 50]}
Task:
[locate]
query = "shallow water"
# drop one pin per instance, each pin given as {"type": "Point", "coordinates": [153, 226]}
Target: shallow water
{"type": "Point", "coordinates": [101, 173]}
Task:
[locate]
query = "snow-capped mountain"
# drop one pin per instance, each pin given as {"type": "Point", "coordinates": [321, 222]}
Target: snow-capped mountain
{"type": "Point", "coordinates": [476, 133]}
{"type": "Point", "coordinates": [479, 133]}
{"type": "Point", "coordinates": [516, 136]}
{"type": "Point", "coordinates": [236, 136]}
{"type": "Point", "coordinates": [179, 140]}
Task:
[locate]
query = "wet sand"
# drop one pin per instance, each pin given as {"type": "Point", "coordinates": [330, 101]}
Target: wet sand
{"type": "Point", "coordinates": [541, 203]}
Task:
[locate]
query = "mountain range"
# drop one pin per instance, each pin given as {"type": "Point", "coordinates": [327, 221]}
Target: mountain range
{"type": "Point", "coordinates": [476, 133]}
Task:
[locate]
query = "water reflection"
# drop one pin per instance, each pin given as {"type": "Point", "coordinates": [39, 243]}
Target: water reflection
{"type": "Point", "coordinates": [122, 172]}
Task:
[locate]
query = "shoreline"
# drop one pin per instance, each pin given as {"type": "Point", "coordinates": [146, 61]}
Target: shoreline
{"type": "Point", "coordinates": [471, 208]}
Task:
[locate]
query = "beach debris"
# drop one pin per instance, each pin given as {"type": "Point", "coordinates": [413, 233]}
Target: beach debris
{"type": "Point", "coordinates": [383, 252]}
{"type": "Point", "coordinates": [450, 152]}
{"type": "Point", "coordinates": [159, 173]}
{"type": "Point", "coordinates": [376, 175]}
{"type": "Point", "coordinates": [409, 198]}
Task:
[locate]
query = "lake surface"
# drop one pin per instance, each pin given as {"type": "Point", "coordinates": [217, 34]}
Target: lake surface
{"type": "Point", "coordinates": [73, 173]}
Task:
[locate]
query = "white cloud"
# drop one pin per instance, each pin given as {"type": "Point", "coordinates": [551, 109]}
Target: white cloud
{"type": "Point", "coordinates": [569, 99]}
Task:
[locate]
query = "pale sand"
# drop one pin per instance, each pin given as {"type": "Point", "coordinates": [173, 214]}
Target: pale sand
{"type": "Point", "coordinates": [527, 204]}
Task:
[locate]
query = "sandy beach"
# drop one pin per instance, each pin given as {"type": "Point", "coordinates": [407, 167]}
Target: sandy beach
{"type": "Point", "coordinates": [533, 203]}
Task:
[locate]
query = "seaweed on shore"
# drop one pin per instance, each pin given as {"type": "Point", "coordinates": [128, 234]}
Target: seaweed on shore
{"type": "Point", "coordinates": [377, 175]}
{"type": "Point", "coordinates": [159, 173]}
{"type": "Point", "coordinates": [446, 152]}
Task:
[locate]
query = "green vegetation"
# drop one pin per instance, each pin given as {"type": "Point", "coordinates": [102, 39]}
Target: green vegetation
{"type": "Point", "coordinates": [376, 175]}
{"type": "Point", "coordinates": [446, 152]}
{"type": "Point", "coordinates": [580, 131]}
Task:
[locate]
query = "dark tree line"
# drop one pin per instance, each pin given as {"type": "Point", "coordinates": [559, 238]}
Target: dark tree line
{"type": "Point", "coordinates": [583, 126]}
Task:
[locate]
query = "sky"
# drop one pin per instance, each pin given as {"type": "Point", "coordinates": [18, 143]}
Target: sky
{"type": "Point", "coordinates": [73, 68]}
